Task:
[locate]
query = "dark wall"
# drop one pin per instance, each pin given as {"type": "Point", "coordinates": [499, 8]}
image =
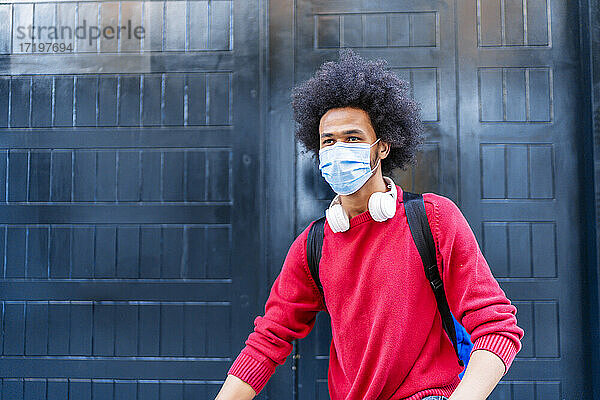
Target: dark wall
{"type": "Point", "coordinates": [590, 72]}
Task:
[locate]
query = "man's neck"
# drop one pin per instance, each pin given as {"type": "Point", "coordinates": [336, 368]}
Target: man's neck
{"type": "Point", "coordinates": [358, 202]}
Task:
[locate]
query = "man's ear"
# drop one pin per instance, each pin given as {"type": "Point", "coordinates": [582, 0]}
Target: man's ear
{"type": "Point", "coordinates": [384, 153]}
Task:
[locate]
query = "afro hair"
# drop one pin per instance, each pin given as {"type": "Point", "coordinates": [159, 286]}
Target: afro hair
{"type": "Point", "coordinates": [367, 85]}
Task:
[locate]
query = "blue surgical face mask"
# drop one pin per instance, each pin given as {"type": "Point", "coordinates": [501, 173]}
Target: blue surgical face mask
{"type": "Point", "coordinates": [346, 166]}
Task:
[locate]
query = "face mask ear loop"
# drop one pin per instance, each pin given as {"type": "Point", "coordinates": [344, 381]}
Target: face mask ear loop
{"type": "Point", "coordinates": [376, 165]}
{"type": "Point", "coordinates": [378, 159]}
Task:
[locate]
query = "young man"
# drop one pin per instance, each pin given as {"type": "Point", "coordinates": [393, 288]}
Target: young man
{"type": "Point", "coordinates": [388, 341]}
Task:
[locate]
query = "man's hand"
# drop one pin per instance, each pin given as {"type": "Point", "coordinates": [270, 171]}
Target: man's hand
{"type": "Point", "coordinates": [484, 371]}
{"type": "Point", "coordinates": [235, 389]}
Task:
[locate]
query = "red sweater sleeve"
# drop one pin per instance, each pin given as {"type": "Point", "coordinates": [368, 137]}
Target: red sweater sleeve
{"type": "Point", "coordinates": [290, 313]}
{"type": "Point", "coordinates": [474, 296]}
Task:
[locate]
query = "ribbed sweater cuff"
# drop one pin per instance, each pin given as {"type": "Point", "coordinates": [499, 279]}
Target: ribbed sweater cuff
{"type": "Point", "coordinates": [498, 344]}
{"type": "Point", "coordinates": [251, 371]}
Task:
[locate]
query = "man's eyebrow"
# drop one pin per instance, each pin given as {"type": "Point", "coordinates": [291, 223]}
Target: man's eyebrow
{"type": "Point", "coordinates": [348, 132]}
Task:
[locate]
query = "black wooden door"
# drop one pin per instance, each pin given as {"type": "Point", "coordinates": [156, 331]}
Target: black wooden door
{"type": "Point", "coordinates": [520, 128]}
{"type": "Point", "coordinates": [499, 87]}
{"type": "Point", "coordinates": [130, 215]}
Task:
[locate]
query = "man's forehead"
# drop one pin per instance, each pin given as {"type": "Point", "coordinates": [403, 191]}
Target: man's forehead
{"type": "Point", "coordinates": [343, 119]}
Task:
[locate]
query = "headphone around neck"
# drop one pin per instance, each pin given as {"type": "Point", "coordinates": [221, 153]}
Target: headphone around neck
{"type": "Point", "coordinates": [382, 205]}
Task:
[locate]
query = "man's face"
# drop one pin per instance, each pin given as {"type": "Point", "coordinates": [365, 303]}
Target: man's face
{"type": "Point", "coordinates": [350, 125]}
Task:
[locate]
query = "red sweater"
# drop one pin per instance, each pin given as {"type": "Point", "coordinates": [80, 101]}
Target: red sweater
{"type": "Point", "coordinates": [388, 342]}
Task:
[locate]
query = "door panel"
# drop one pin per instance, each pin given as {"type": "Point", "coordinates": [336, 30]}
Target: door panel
{"type": "Point", "coordinates": [414, 38]}
{"type": "Point", "coordinates": [130, 190]}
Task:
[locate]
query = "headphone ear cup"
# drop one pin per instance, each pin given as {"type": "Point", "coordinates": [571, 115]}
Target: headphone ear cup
{"type": "Point", "coordinates": [382, 205]}
{"type": "Point", "coordinates": [337, 218]}
{"type": "Point", "coordinates": [375, 207]}
{"type": "Point", "coordinates": [388, 205]}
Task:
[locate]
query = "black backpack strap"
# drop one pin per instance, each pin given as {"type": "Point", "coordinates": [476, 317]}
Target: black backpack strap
{"type": "Point", "coordinates": [414, 207]}
{"type": "Point", "coordinates": [314, 245]}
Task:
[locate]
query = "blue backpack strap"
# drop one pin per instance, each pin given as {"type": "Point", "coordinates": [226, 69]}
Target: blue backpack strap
{"type": "Point", "coordinates": [314, 245]}
{"type": "Point", "coordinates": [414, 206]}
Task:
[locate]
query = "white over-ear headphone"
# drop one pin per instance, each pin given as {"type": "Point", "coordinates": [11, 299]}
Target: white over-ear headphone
{"type": "Point", "coordinates": [382, 205]}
